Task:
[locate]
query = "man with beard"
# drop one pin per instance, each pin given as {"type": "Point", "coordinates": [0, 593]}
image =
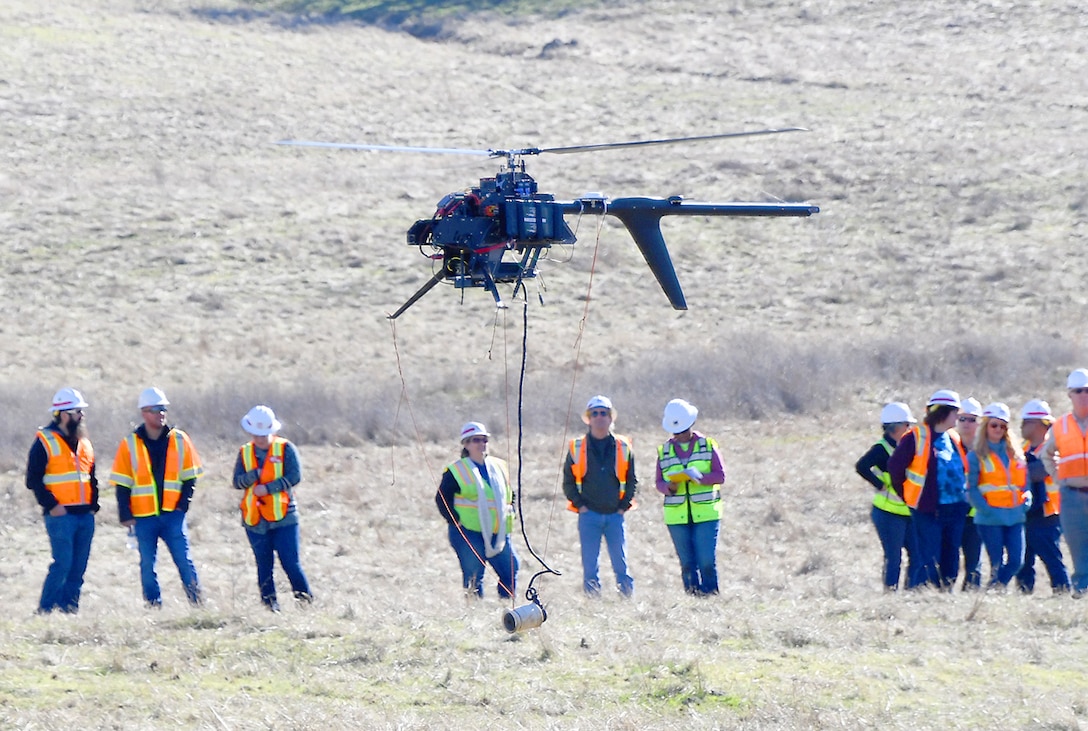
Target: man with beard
{"type": "Point", "coordinates": [60, 471]}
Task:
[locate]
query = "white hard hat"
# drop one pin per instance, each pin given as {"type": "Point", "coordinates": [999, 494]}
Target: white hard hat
{"type": "Point", "coordinates": [152, 397]}
{"type": "Point", "coordinates": [896, 412]}
{"type": "Point", "coordinates": [473, 429]}
{"type": "Point", "coordinates": [261, 421]}
{"type": "Point", "coordinates": [1037, 409]}
{"type": "Point", "coordinates": [598, 402]}
{"type": "Point", "coordinates": [971, 406]}
{"type": "Point", "coordinates": [944, 397]}
{"type": "Point", "coordinates": [1077, 379]}
{"type": "Point", "coordinates": [679, 416]}
{"type": "Point", "coordinates": [997, 410]}
{"type": "Point", "coordinates": [68, 399]}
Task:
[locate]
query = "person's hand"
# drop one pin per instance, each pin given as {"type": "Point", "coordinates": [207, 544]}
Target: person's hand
{"type": "Point", "coordinates": [58, 510]}
{"type": "Point", "coordinates": [583, 509]}
{"type": "Point", "coordinates": [260, 490]}
{"type": "Point", "coordinates": [1029, 499]}
{"type": "Point", "coordinates": [129, 523]}
{"type": "Point", "coordinates": [693, 473]}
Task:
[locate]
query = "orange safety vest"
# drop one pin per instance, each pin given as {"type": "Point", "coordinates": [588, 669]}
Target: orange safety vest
{"type": "Point", "coordinates": [67, 473]}
{"type": "Point", "coordinates": [1072, 448]}
{"type": "Point", "coordinates": [1053, 504]}
{"type": "Point", "coordinates": [916, 471]}
{"type": "Point", "coordinates": [273, 506]}
{"type": "Point", "coordinates": [132, 469]}
{"type": "Point", "coordinates": [1001, 486]}
{"type": "Point", "coordinates": [580, 463]}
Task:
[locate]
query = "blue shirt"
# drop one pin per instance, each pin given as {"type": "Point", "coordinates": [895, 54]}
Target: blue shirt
{"type": "Point", "coordinates": [951, 480]}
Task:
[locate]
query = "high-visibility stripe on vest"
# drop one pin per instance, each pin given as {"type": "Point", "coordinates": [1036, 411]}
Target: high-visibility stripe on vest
{"type": "Point", "coordinates": [1053, 504]}
{"type": "Point", "coordinates": [1072, 448]}
{"type": "Point", "coordinates": [1001, 486]}
{"type": "Point", "coordinates": [67, 473]}
{"type": "Point", "coordinates": [132, 469]}
{"type": "Point", "coordinates": [916, 471]}
{"type": "Point", "coordinates": [692, 502]}
{"type": "Point", "coordinates": [470, 482]}
{"type": "Point", "coordinates": [580, 463]}
{"type": "Point", "coordinates": [274, 506]}
{"type": "Point", "coordinates": [887, 499]}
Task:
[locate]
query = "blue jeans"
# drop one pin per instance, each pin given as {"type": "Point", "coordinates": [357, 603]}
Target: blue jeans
{"type": "Point", "coordinates": [972, 555]}
{"type": "Point", "coordinates": [282, 541]}
{"type": "Point", "coordinates": [1074, 519]}
{"type": "Point", "coordinates": [70, 540]}
{"type": "Point", "coordinates": [1043, 538]}
{"type": "Point", "coordinates": [695, 545]}
{"type": "Point", "coordinates": [895, 534]}
{"type": "Point", "coordinates": [470, 550]}
{"type": "Point", "coordinates": [1005, 547]}
{"type": "Point", "coordinates": [172, 529]}
{"type": "Point", "coordinates": [592, 527]}
{"type": "Point", "coordinates": [938, 537]}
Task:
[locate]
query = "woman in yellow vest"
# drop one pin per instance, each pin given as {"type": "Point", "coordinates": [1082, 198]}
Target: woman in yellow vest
{"type": "Point", "coordinates": [928, 470]}
{"type": "Point", "coordinates": [476, 500]}
{"type": "Point", "coordinates": [267, 470]}
{"type": "Point", "coordinates": [997, 488]}
{"type": "Point", "coordinates": [890, 515]}
{"type": "Point", "coordinates": [967, 427]}
{"type": "Point", "coordinates": [690, 476]}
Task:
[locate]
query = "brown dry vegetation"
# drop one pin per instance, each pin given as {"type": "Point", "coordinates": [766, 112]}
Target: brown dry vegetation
{"type": "Point", "coordinates": [152, 234]}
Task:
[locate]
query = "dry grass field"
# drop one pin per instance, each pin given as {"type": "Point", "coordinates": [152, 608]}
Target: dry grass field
{"type": "Point", "coordinates": [152, 234]}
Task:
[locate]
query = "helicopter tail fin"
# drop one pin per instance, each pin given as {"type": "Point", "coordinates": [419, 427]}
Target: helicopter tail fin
{"type": "Point", "coordinates": [644, 225]}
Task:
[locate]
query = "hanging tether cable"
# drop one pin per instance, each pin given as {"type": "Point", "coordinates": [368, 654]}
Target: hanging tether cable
{"type": "Point", "coordinates": [530, 592]}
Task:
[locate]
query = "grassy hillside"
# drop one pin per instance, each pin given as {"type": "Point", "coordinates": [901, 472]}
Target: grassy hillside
{"type": "Point", "coordinates": [152, 233]}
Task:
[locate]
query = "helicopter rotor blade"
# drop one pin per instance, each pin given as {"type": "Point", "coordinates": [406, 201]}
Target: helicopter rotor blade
{"type": "Point", "coordinates": [388, 148]}
{"type": "Point", "coordinates": [665, 141]}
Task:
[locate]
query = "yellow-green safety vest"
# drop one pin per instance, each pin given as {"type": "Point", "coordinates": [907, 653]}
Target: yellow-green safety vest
{"type": "Point", "coordinates": [693, 502]}
{"type": "Point", "coordinates": [887, 499]}
{"type": "Point", "coordinates": [469, 484]}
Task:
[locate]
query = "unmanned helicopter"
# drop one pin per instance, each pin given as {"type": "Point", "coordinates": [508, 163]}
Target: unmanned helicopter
{"type": "Point", "coordinates": [496, 232]}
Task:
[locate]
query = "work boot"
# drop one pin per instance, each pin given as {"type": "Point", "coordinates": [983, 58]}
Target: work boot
{"type": "Point", "coordinates": [271, 603]}
{"type": "Point", "coordinates": [305, 597]}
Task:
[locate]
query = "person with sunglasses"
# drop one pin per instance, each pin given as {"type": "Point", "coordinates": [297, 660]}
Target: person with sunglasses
{"type": "Point", "coordinates": [971, 546]}
{"type": "Point", "coordinates": [928, 470]}
{"type": "Point", "coordinates": [1065, 455]}
{"type": "Point", "coordinates": [154, 474]}
{"type": "Point", "coordinates": [599, 482]}
{"type": "Point", "coordinates": [477, 501]}
{"type": "Point", "coordinates": [890, 515]}
{"type": "Point", "coordinates": [60, 470]}
{"type": "Point", "coordinates": [997, 488]}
